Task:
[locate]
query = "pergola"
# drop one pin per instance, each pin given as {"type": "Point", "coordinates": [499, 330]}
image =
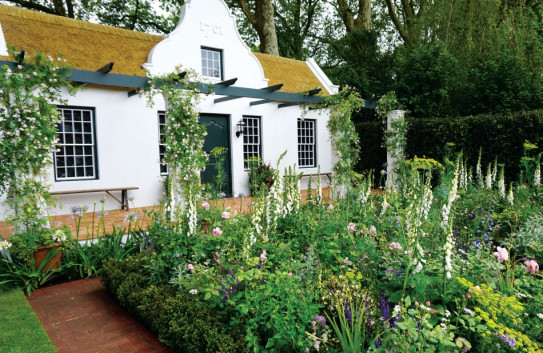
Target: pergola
{"type": "Point", "coordinates": [265, 95]}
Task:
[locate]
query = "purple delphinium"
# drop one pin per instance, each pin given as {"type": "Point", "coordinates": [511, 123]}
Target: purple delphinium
{"type": "Point", "coordinates": [378, 342]}
{"type": "Point", "coordinates": [347, 309]}
{"type": "Point", "coordinates": [229, 287]}
{"type": "Point", "coordinates": [385, 307]}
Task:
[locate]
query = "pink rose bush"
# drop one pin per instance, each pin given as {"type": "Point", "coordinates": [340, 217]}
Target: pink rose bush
{"type": "Point", "coordinates": [225, 214]}
{"type": "Point", "coordinates": [217, 231]}
{"type": "Point", "coordinates": [351, 227]}
{"type": "Point", "coordinates": [205, 205]}
{"type": "Point", "coordinates": [531, 266]}
{"type": "Point", "coordinates": [501, 254]}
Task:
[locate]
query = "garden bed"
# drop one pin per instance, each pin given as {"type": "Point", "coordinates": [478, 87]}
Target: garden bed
{"type": "Point", "coordinates": [415, 270]}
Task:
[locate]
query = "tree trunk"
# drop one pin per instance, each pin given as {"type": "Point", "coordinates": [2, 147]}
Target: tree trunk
{"type": "Point", "coordinates": [363, 15]}
{"type": "Point", "coordinates": [59, 8]}
{"type": "Point", "coordinates": [265, 27]}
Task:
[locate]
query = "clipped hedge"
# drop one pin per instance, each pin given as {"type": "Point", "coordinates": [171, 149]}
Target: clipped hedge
{"type": "Point", "coordinates": [370, 128]}
{"type": "Point", "coordinates": [183, 321]}
{"type": "Point", "coordinates": [499, 135]}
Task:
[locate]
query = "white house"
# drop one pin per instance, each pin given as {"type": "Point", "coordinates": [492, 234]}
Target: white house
{"type": "Point", "coordinates": [110, 138]}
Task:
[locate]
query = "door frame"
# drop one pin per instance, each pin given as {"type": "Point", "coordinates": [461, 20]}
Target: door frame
{"type": "Point", "coordinates": [229, 141]}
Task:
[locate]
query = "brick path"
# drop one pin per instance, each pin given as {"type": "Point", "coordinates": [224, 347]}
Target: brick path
{"type": "Point", "coordinates": [81, 317]}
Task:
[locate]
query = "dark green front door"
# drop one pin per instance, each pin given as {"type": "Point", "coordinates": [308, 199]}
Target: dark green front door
{"type": "Point", "coordinates": [217, 136]}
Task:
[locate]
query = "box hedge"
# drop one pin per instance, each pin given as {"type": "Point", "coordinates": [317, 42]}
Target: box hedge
{"type": "Point", "coordinates": [183, 321]}
{"type": "Point", "coordinates": [500, 136]}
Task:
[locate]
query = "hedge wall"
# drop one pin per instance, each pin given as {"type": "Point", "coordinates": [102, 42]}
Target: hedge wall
{"type": "Point", "coordinates": [183, 321]}
{"type": "Point", "coordinates": [500, 136]}
{"type": "Point", "coordinates": [370, 129]}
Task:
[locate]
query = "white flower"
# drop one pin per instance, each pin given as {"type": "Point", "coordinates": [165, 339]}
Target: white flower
{"type": "Point", "coordinates": [5, 244]}
{"type": "Point", "coordinates": [540, 315]}
{"type": "Point", "coordinates": [193, 291]}
{"type": "Point", "coordinates": [58, 236]}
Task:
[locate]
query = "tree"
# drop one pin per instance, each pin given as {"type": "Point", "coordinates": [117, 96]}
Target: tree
{"type": "Point", "coordinates": [346, 11]}
{"type": "Point", "coordinates": [260, 13]}
{"type": "Point", "coordinates": [405, 17]}
{"type": "Point", "coordinates": [472, 58]}
{"type": "Point", "coordinates": [137, 15]}
{"type": "Point", "coordinates": [295, 23]}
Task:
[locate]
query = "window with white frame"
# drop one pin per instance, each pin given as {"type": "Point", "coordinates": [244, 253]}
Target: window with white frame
{"type": "Point", "coordinates": [307, 146]}
{"type": "Point", "coordinates": [75, 157]}
{"type": "Point", "coordinates": [211, 63]}
{"type": "Point", "coordinates": [251, 139]}
{"type": "Point", "coordinates": [162, 142]}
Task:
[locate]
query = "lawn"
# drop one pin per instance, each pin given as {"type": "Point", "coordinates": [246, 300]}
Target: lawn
{"type": "Point", "coordinates": [20, 330]}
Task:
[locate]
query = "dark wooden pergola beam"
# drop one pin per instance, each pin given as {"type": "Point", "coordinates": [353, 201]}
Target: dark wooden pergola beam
{"type": "Point", "coordinates": [269, 88]}
{"type": "Point", "coordinates": [137, 82]}
{"type": "Point", "coordinates": [106, 68]}
{"type": "Point", "coordinates": [262, 101]}
{"type": "Point", "coordinates": [289, 104]}
{"type": "Point", "coordinates": [229, 82]}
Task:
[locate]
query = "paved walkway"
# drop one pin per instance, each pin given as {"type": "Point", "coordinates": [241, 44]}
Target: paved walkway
{"type": "Point", "coordinates": [81, 317]}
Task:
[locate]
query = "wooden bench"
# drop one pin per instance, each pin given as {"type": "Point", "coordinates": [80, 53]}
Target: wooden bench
{"type": "Point", "coordinates": [329, 175]}
{"type": "Point", "coordinates": [124, 194]}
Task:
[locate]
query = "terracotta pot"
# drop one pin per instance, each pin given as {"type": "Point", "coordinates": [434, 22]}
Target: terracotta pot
{"type": "Point", "coordinates": [39, 256]}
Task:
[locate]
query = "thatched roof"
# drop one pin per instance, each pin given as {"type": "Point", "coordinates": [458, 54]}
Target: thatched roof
{"type": "Point", "coordinates": [90, 46]}
{"type": "Point", "coordinates": [84, 45]}
{"type": "Point", "coordinates": [295, 75]}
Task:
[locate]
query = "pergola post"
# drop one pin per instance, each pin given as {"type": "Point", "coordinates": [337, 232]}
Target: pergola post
{"type": "Point", "coordinates": [395, 143]}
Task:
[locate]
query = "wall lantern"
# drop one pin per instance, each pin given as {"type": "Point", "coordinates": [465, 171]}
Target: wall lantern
{"type": "Point", "coordinates": [241, 128]}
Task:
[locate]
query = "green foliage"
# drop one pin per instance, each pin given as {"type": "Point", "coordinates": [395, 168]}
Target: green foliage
{"type": "Point", "coordinates": [501, 136]}
{"type": "Point", "coordinates": [181, 320]}
{"type": "Point", "coordinates": [184, 141]}
{"type": "Point", "coordinates": [28, 126]}
{"type": "Point", "coordinates": [26, 276]}
{"type": "Point", "coordinates": [359, 62]}
{"type": "Point", "coordinates": [25, 244]}
{"type": "Point", "coordinates": [529, 239]}
{"type": "Point", "coordinates": [345, 139]}
{"type": "Point", "coordinates": [260, 176]}
{"type": "Point", "coordinates": [464, 59]}
{"type": "Point", "coordinates": [277, 311]}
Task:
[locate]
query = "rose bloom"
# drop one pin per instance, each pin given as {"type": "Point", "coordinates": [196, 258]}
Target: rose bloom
{"type": "Point", "coordinates": [225, 214]}
{"type": "Point", "coordinates": [531, 266]}
{"type": "Point", "coordinates": [217, 231]}
{"type": "Point", "coordinates": [190, 267]}
{"type": "Point", "coordinates": [501, 254]}
{"type": "Point", "coordinates": [351, 227]}
{"type": "Point", "coordinates": [394, 246]}
{"type": "Point", "coordinates": [205, 205]}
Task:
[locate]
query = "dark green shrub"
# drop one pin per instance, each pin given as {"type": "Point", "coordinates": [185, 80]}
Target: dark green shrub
{"type": "Point", "coordinates": [114, 272]}
{"type": "Point", "coordinates": [499, 136]}
{"type": "Point", "coordinates": [184, 321]}
{"type": "Point", "coordinates": [373, 155]}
